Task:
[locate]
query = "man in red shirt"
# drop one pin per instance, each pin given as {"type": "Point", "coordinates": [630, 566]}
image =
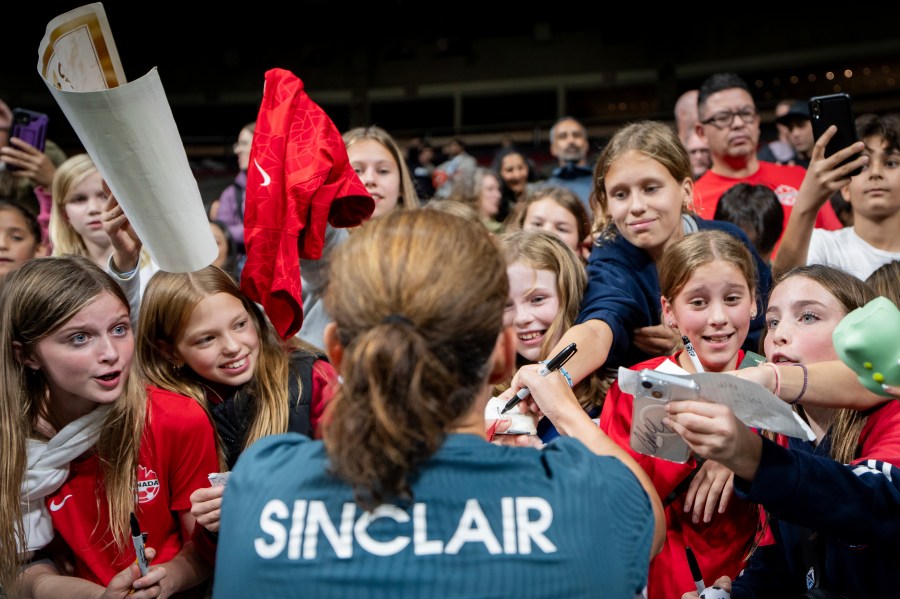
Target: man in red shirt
{"type": "Point", "coordinates": [730, 125]}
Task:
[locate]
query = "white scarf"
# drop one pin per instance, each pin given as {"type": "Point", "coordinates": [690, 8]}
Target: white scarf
{"type": "Point", "coordinates": [48, 469]}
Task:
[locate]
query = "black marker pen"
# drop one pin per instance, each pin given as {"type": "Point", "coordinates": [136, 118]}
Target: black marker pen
{"type": "Point", "coordinates": [138, 539]}
{"type": "Point", "coordinates": [695, 570]}
{"type": "Point", "coordinates": [555, 363]}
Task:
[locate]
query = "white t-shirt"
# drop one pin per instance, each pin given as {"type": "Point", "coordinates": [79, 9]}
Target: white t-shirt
{"type": "Point", "coordinates": [845, 249]}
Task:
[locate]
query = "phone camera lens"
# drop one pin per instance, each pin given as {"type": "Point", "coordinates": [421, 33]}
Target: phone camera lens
{"type": "Point", "coordinates": [646, 384]}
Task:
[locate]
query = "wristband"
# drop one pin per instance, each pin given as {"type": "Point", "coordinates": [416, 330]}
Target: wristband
{"type": "Point", "coordinates": [121, 275]}
{"type": "Point", "coordinates": [805, 382]}
{"type": "Point", "coordinates": [774, 368]}
{"type": "Point", "coordinates": [563, 372]}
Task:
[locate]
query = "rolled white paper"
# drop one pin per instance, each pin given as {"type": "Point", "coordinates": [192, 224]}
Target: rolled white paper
{"type": "Point", "coordinates": [129, 132]}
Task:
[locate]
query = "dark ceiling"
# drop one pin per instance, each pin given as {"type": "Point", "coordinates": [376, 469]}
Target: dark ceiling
{"type": "Point", "coordinates": [447, 68]}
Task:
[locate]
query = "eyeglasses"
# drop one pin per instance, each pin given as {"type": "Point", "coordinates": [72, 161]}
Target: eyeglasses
{"type": "Point", "coordinates": [721, 120]}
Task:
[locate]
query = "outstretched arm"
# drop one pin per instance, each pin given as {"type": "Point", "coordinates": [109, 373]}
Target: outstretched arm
{"type": "Point", "coordinates": [823, 177]}
{"type": "Point", "coordinates": [594, 339]}
{"type": "Point", "coordinates": [863, 499]}
{"type": "Point", "coordinates": [828, 385]}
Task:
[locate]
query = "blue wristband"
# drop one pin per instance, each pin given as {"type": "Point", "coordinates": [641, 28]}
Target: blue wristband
{"type": "Point", "coordinates": [563, 372]}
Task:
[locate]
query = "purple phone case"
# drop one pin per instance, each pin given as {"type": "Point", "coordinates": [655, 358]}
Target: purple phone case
{"type": "Point", "coordinates": [30, 127]}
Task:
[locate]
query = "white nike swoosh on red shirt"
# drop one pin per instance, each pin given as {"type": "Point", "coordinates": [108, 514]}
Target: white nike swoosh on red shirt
{"type": "Point", "coordinates": [55, 507]}
{"type": "Point", "coordinates": [266, 178]}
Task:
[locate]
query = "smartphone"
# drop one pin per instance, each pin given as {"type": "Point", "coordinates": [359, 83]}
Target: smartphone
{"type": "Point", "coordinates": [649, 435]}
{"type": "Point", "coordinates": [29, 126]}
{"type": "Point", "coordinates": [835, 109]}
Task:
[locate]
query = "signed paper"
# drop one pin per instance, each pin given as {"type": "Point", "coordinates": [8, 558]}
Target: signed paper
{"type": "Point", "coordinates": [129, 132]}
{"type": "Point", "coordinates": [752, 404]}
{"type": "Point", "coordinates": [218, 479]}
{"type": "Point", "coordinates": [521, 424]}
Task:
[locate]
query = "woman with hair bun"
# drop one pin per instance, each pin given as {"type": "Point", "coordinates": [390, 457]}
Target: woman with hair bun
{"type": "Point", "coordinates": [405, 494]}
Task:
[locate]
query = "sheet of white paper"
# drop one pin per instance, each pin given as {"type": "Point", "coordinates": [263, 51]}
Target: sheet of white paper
{"type": "Point", "coordinates": [752, 404]}
{"type": "Point", "coordinates": [130, 133]}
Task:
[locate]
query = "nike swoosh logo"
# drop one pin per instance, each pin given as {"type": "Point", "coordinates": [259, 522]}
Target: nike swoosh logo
{"type": "Point", "coordinates": [266, 178]}
{"type": "Point", "coordinates": [55, 507]}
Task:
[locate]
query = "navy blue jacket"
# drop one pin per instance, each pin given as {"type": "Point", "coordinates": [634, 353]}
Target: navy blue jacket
{"type": "Point", "coordinates": [854, 509]}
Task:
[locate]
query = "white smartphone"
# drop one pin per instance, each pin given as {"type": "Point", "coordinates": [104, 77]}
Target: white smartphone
{"type": "Point", "coordinates": [649, 435]}
{"type": "Point", "coordinates": [667, 387]}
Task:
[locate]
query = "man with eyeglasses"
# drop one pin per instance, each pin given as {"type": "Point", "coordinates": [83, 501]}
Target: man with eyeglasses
{"type": "Point", "coordinates": [730, 125]}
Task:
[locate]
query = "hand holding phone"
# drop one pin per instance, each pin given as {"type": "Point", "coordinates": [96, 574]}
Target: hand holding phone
{"type": "Point", "coordinates": [30, 127]}
{"type": "Point", "coordinates": [835, 109]}
{"type": "Point", "coordinates": [649, 435]}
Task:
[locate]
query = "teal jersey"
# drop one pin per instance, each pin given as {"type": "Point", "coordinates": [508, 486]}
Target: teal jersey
{"type": "Point", "coordinates": [484, 521]}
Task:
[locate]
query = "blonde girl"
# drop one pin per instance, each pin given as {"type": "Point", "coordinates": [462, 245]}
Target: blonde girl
{"type": "Point", "coordinates": [75, 420]}
{"type": "Point", "coordinates": [86, 221]}
{"type": "Point", "coordinates": [547, 282]}
{"type": "Point", "coordinates": [378, 161]}
{"type": "Point", "coordinates": [202, 338]}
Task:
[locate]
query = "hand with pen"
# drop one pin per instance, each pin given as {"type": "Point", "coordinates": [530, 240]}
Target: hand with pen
{"type": "Point", "coordinates": [517, 394]}
{"type": "Point", "coordinates": [131, 584]}
{"type": "Point", "coordinates": [548, 396]}
{"type": "Point", "coordinates": [42, 577]}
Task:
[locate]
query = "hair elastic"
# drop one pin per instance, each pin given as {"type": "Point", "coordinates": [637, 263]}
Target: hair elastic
{"type": "Point", "coordinates": [774, 368]}
{"type": "Point", "coordinates": [396, 319]}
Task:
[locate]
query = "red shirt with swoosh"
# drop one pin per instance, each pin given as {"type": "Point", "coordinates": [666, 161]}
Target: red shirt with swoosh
{"type": "Point", "coordinates": [299, 179]}
{"type": "Point", "coordinates": [177, 453]}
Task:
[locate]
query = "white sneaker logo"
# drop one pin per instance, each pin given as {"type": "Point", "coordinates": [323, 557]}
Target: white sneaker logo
{"type": "Point", "coordinates": [266, 178]}
{"type": "Point", "coordinates": [55, 507]}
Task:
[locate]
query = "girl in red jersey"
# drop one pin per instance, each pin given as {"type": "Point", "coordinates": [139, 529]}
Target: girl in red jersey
{"type": "Point", "coordinates": [85, 445]}
{"type": "Point", "coordinates": [708, 286]}
{"type": "Point", "coordinates": [835, 501]}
